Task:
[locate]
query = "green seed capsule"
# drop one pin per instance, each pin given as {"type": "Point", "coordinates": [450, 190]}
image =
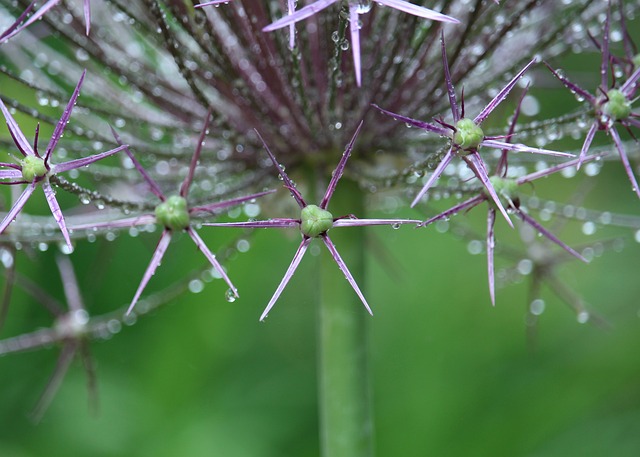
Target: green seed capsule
{"type": "Point", "coordinates": [173, 213]}
{"type": "Point", "coordinates": [315, 221]}
{"type": "Point", "coordinates": [33, 167]}
{"type": "Point", "coordinates": [468, 135]}
{"type": "Point", "coordinates": [617, 106]}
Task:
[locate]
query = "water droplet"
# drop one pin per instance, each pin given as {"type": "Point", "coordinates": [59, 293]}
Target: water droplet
{"type": "Point", "coordinates": [196, 286]}
{"type": "Point", "coordinates": [230, 296]}
{"type": "Point", "coordinates": [583, 317]}
{"type": "Point", "coordinates": [537, 307]}
{"type": "Point", "coordinates": [396, 226]}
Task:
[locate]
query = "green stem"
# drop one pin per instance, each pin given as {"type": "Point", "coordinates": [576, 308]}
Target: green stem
{"type": "Point", "coordinates": [346, 424]}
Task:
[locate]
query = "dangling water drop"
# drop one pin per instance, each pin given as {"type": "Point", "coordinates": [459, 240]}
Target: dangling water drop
{"type": "Point", "coordinates": [230, 296]}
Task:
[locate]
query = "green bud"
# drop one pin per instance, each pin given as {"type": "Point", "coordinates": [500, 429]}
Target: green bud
{"type": "Point", "coordinates": [173, 213]}
{"type": "Point", "coordinates": [506, 188]}
{"type": "Point", "coordinates": [636, 61]}
{"type": "Point", "coordinates": [315, 221]}
{"type": "Point", "coordinates": [33, 167]}
{"type": "Point", "coordinates": [468, 135]}
{"type": "Point", "coordinates": [617, 106]}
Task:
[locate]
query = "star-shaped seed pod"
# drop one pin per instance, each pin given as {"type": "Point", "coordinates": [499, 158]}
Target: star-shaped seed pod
{"type": "Point", "coordinates": [315, 222]}
{"type": "Point", "coordinates": [467, 136]}
{"type": "Point", "coordinates": [174, 215]}
{"type": "Point", "coordinates": [36, 170]}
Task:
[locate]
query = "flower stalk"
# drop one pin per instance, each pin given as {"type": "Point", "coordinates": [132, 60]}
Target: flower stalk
{"type": "Point", "coordinates": [346, 416]}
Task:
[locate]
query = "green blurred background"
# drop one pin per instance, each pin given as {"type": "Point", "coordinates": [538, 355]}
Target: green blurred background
{"type": "Point", "coordinates": [452, 375]}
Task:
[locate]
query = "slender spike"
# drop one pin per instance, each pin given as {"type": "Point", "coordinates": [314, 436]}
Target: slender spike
{"type": "Point", "coordinates": [467, 204]}
{"type": "Point", "coordinates": [87, 16]}
{"type": "Point", "coordinates": [17, 206]}
{"type": "Point", "coordinates": [291, 8]}
{"type": "Point", "coordinates": [587, 143]}
{"type": "Point", "coordinates": [153, 186]}
{"type": "Point", "coordinates": [271, 223]}
{"type": "Point", "coordinates": [304, 244]}
{"type": "Point", "coordinates": [517, 147]}
{"type": "Point", "coordinates": [419, 11]}
{"type": "Point", "coordinates": [142, 219]}
{"type": "Point", "coordinates": [345, 270]}
{"type": "Point", "coordinates": [571, 86]}
{"type": "Point", "coordinates": [369, 222]}
{"type": "Point", "coordinates": [354, 29]}
{"type": "Point", "coordinates": [477, 165]}
{"type": "Point", "coordinates": [434, 176]}
{"type": "Point", "coordinates": [14, 130]}
{"type": "Point", "coordinates": [604, 64]}
{"type": "Point", "coordinates": [64, 119]}
{"type": "Point", "coordinates": [10, 31]}
{"type": "Point", "coordinates": [447, 77]}
{"type": "Point", "coordinates": [211, 258]}
{"type": "Point", "coordinates": [16, 28]}
{"type": "Point", "coordinates": [299, 15]}
{"type": "Point", "coordinates": [214, 207]}
{"type": "Point", "coordinates": [64, 361]}
{"type": "Point", "coordinates": [625, 161]}
{"type": "Point", "coordinates": [161, 248]}
{"type": "Point", "coordinates": [337, 173]}
{"type": "Point", "coordinates": [184, 188]}
{"type": "Point", "coordinates": [502, 166]}
{"type": "Point", "coordinates": [92, 378]}
{"type": "Point", "coordinates": [502, 94]}
{"type": "Point", "coordinates": [85, 161]}
{"type": "Point", "coordinates": [423, 125]}
{"type": "Point", "coordinates": [50, 194]}
{"type": "Point", "coordinates": [287, 182]}
{"type": "Point", "coordinates": [69, 283]}
{"type": "Point", "coordinates": [550, 236]}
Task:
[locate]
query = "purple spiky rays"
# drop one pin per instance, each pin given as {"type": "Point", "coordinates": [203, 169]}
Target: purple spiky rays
{"type": "Point", "coordinates": [24, 20]}
{"type": "Point", "coordinates": [174, 215]}
{"type": "Point", "coordinates": [315, 221]}
{"type": "Point", "coordinates": [467, 136]}
{"type": "Point", "coordinates": [356, 9]}
{"type": "Point", "coordinates": [612, 105]}
{"type": "Point", "coordinates": [36, 170]}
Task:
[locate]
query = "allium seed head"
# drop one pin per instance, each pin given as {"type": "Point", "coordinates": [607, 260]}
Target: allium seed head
{"type": "Point", "coordinates": [173, 213]}
{"type": "Point", "coordinates": [468, 135]}
{"type": "Point", "coordinates": [33, 167]}
{"type": "Point", "coordinates": [617, 107]}
{"type": "Point", "coordinates": [315, 221]}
